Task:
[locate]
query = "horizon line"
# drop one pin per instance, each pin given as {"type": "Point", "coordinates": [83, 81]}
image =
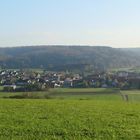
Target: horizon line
{"type": "Point", "coordinates": [18, 46]}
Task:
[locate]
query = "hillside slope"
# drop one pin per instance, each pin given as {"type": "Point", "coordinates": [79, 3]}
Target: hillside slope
{"type": "Point", "coordinates": [67, 57]}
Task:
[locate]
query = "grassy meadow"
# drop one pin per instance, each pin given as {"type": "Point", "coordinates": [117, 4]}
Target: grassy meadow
{"type": "Point", "coordinates": [129, 69]}
{"type": "Point", "coordinates": [71, 114]}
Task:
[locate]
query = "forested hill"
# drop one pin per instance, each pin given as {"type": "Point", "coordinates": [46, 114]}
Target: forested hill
{"type": "Point", "coordinates": [68, 57]}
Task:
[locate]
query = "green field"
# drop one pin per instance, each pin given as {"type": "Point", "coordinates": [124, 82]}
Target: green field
{"type": "Point", "coordinates": [81, 93]}
{"type": "Point", "coordinates": [69, 93]}
{"type": "Point", "coordinates": [129, 69]}
{"type": "Point", "coordinates": [71, 114]}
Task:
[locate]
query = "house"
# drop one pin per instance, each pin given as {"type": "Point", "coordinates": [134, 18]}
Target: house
{"type": "Point", "coordinates": [122, 74]}
{"type": "Point", "coordinates": [68, 83]}
{"type": "Point", "coordinates": [9, 87]}
{"type": "Point", "coordinates": [56, 85]}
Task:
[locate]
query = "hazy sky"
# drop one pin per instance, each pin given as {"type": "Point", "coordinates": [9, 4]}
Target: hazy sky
{"type": "Point", "coordinates": [113, 23]}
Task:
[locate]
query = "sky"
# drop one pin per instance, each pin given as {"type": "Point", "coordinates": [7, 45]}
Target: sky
{"type": "Point", "coordinates": [114, 23]}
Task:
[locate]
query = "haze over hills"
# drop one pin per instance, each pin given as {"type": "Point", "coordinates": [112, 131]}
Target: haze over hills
{"type": "Point", "coordinates": [59, 57]}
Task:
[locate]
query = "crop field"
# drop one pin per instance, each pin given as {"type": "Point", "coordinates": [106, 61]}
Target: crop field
{"type": "Point", "coordinates": [99, 114]}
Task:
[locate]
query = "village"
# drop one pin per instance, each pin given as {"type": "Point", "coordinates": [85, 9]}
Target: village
{"type": "Point", "coordinates": [25, 80]}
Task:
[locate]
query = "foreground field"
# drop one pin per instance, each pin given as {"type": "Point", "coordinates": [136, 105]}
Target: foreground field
{"type": "Point", "coordinates": [68, 119]}
{"type": "Point", "coordinates": [71, 114]}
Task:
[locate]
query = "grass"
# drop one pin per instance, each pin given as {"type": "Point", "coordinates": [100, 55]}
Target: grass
{"type": "Point", "coordinates": [134, 95]}
{"type": "Point", "coordinates": [83, 90]}
{"type": "Point", "coordinates": [130, 69]}
{"type": "Point", "coordinates": [81, 93]}
{"type": "Point", "coordinates": [69, 119]}
{"type": "Point", "coordinates": [85, 93]}
{"type": "Point", "coordinates": [71, 114]}
{"type": "Point", "coordinates": [1, 88]}
{"type": "Point", "coordinates": [68, 93]}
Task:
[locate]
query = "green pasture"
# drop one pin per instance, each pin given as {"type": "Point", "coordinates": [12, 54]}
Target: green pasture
{"type": "Point", "coordinates": [69, 120]}
{"type": "Point", "coordinates": [78, 93]}
{"type": "Point", "coordinates": [70, 114]}
{"type": "Point", "coordinates": [1, 88]}
{"type": "Point", "coordinates": [133, 69]}
{"type": "Point", "coordinates": [70, 93]}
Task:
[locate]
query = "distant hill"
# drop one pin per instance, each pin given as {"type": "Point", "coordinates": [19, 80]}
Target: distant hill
{"type": "Point", "coordinates": [136, 51]}
{"type": "Point", "coordinates": [68, 57]}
